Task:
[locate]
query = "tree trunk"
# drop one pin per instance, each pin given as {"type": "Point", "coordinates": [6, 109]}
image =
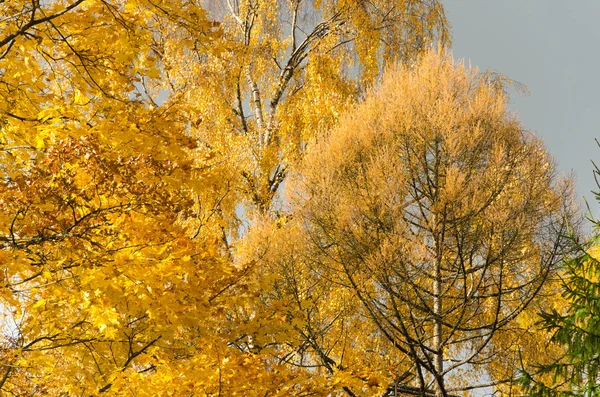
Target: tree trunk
{"type": "Point", "coordinates": [438, 357]}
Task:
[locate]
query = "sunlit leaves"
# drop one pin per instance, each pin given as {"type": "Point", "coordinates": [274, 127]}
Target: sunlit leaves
{"type": "Point", "coordinates": [432, 211]}
{"type": "Point", "coordinates": [135, 136]}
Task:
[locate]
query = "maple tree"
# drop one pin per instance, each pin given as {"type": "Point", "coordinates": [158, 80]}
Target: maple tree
{"type": "Point", "coordinates": [422, 228]}
{"type": "Point", "coordinates": [113, 274]}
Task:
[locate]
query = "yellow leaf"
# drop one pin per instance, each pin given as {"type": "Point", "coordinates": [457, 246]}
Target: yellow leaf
{"type": "Point", "coordinates": [39, 303]}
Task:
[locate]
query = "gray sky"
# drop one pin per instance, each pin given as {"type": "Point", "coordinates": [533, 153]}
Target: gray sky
{"type": "Point", "coordinates": [551, 46]}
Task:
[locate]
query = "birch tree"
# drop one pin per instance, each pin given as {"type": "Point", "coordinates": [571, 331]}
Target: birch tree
{"type": "Point", "coordinates": [289, 69]}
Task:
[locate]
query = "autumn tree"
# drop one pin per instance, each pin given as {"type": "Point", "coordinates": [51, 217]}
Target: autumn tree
{"type": "Point", "coordinates": [286, 69]}
{"type": "Point", "coordinates": [113, 271]}
{"type": "Point", "coordinates": [432, 219]}
{"type": "Point", "coordinates": [131, 131]}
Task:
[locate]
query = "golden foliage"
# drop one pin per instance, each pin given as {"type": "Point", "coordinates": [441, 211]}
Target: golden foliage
{"type": "Point", "coordinates": [283, 71]}
{"type": "Point", "coordinates": [437, 217]}
{"type": "Point", "coordinates": [114, 270]}
{"type": "Point", "coordinates": [126, 155]}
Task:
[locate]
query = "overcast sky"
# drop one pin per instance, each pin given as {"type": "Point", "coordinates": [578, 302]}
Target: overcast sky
{"type": "Point", "coordinates": [552, 46]}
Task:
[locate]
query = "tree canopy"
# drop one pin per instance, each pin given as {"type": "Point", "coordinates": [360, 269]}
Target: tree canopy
{"type": "Point", "coordinates": [126, 150]}
{"type": "Point", "coordinates": [437, 215]}
{"type": "Point", "coordinates": [152, 242]}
